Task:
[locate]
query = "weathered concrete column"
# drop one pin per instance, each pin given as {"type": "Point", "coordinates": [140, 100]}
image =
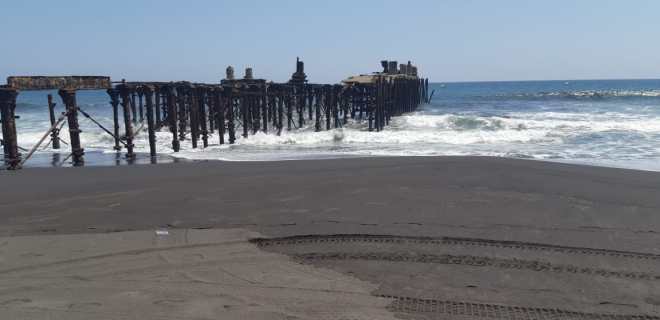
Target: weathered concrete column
{"type": "Point", "coordinates": [10, 140]}
{"type": "Point", "coordinates": [69, 98]}
{"type": "Point", "coordinates": [148, 92]}
{"type": "Point", "coordinates": [114, 101]}
{"type": "Point", "coordinates": [54, 134]}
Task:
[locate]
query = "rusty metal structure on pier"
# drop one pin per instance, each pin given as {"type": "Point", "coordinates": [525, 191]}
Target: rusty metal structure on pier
{"type": "Point", "coordinates": [194, 111]}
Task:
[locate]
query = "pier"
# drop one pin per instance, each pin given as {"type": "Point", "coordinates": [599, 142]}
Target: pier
{"type": "Point", "coordinates": [192, 111]}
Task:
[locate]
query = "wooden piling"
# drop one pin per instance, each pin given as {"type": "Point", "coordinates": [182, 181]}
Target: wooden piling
{"type": "Point", "coordinates": [126, 100]}
{"type": "Point", "coordinates": [148, 92]}
{"type": "Point", "coordinates": [140, 93]}
{"type": "Point", "coordinates": [157, 106]}
{"type": "Point", "coordinates": [181, 110]}
{"type": "Point", "coordinates": [114, 101]}
{"type": "Point", "coordinates": [69, 98]}
{"type": "Point", "coordinates": [12, 157]}
{"type": "Point", "coordinates": [172, 117]}
{"type": "Point", "coordinates": [133, 106]}
{"type": "Point", "coordinates": [289, 110]}
{"type": "Point", "coordinates": [317, 110]}
{"type": "Point", "coordinates": [231, 106]}
{"type": "Point", "coordinates": [264, 108]}
{"type": "Point", "coordinates": [54, 134]}
{"type": "Point", "coordinates": [220, 113]}
{"type": "Point", "coordinates": [245, 105]}
{"type": "Point", "coordinates": [194, 116]}
{"type": "Point", "coordinates": [201, 114]}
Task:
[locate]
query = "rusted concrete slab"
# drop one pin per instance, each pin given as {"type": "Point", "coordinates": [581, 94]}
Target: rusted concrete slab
{"type": "Point", "coordinates": [57, 82]}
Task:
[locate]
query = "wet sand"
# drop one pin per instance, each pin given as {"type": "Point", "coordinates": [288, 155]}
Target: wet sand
{"type": "Point", "coordinates": [584, 238]}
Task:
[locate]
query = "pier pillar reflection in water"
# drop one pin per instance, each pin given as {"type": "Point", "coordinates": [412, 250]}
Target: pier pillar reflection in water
{"type": "Point", "coordinates": [10, 143]}
{"type": "Point", "coordinates": [69, 98]}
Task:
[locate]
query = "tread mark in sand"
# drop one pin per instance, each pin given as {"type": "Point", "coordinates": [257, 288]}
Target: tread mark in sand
{"type": "Point", "coordinates": [478, 261]}
{"type": "Point", "coordinates": [448, 241]}
{"type": "Point", "coordinates": [497, 311]}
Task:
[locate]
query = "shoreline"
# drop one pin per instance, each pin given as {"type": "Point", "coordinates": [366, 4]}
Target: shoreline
{"type": "Point", "coordinates": [109, 159]}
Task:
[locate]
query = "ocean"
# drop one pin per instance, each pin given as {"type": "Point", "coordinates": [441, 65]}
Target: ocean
{"type": "Point", "coordinates": [614, 123]}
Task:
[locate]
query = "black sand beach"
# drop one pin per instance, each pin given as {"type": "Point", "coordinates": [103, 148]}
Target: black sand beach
{"type": "Point", "coordinates": [569, 224]}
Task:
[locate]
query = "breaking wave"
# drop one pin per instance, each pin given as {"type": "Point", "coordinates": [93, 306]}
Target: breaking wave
{"type": "Point", "coordinates": [586, 94]}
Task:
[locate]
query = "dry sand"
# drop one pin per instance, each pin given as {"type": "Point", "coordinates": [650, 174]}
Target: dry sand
{"type": "Point", "coordinates": [183, 274]}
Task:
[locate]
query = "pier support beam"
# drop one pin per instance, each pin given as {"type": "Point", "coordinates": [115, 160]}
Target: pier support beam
{"type": "Point", "coordinates": [140, 93]}
{"type": "Point", "coordinates": [220, 113]}
{"type": "Point", "coordinates": [172, 118]}
{"type": "Point", "coordinates": [148, 92]}
{"type": "Point", "coordinates": [134, 106]}
{"type": "Point", "coordinates": [69, 98]}
{"type": "Point", "coordinates": [54, 134]}
{"type": "Point", "coordinates": [114, 101]}
{"type": "Point", "coordinates": [157, 103]}
{"type": "Point", "coordinates": [231, 105]}
{"type": "Point", "coordinates": [128, 124]}
{"type": "Point", "coordinates": [12, 158]}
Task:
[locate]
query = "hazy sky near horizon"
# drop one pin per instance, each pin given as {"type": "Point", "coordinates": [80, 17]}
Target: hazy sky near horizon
{"type": "Point", "coordinates": [450, 40]}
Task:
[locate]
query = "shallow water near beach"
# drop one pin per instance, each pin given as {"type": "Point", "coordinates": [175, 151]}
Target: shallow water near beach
{"type": "Point", "coordinates": [612, 123]}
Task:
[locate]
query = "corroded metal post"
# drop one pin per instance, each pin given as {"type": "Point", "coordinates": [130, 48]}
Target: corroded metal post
{"type": "Point", "coordinates": [54, 134]}
{"type": "Point", "coordinates": [10, 141]}
{"type": "Point", "coordinates": [148, 92]}
{"type": "Point", "coordinates": [69, 98]}
{"type": "Point", "coordinates": [114, 101]}
{"type": "Point", "coordinates": [125, 93]}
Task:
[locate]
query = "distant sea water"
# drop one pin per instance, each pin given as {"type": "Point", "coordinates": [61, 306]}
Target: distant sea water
{"type": "Point", "coordinates": [612, 123]}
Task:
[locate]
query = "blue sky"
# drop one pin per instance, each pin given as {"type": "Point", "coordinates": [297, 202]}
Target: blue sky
{"type": "Point", "coordinates": [457, 40]}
